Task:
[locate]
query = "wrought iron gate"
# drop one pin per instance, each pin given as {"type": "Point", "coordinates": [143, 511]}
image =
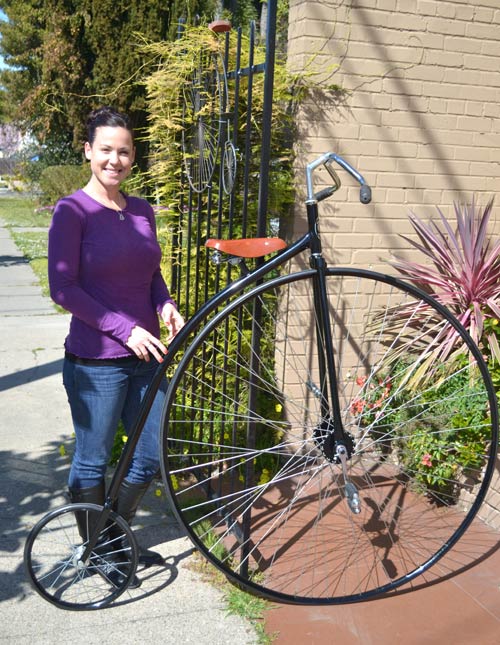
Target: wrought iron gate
{"type": "Point", "coordinates": [227, 194]}
{"type": "Point", "coordinates": [230, 199]}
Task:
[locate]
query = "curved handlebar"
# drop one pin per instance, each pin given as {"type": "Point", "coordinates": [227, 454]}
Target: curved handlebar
{"type": "Point", "coordinates": [365, 193]}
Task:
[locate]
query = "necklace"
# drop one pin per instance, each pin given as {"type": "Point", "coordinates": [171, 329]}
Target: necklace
{"type": "Point", "coordinates": [112, 204]}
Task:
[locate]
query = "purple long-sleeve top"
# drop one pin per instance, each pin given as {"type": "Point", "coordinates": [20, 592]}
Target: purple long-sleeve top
{"type": "Point", "coordinates": [105, 270]}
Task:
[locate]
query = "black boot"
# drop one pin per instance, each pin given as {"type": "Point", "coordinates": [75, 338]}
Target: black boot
{"type": "Point", "coordinates": [129, 498]}
{"type": "Point", "coordinates": [92, 495]}
{"type": "Point", "coordinates": [86, 524]}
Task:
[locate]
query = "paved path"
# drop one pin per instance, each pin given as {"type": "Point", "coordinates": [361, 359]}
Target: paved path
{"type": "Point", "coordinates": [453, 603]}
{"type": "Point", "coordinates": [173, 605]}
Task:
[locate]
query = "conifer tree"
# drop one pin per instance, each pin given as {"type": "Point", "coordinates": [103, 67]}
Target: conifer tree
{"type": "Point", "coordinates": [67, 56]}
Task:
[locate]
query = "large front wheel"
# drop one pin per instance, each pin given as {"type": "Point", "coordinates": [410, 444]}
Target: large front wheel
{"type": "Point", "coordinates": [249, 456]}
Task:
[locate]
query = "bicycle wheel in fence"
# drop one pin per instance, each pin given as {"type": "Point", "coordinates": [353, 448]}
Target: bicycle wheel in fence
{"type": "Point", "coordinates": [202, 117]}
{"type": "Point", "coordinates": [52, 558]}
{"type": "Point", "coordinates": [247, 453]}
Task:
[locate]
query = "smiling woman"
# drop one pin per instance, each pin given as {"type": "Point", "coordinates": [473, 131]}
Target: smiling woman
{"type": "Point", "coordinates": [104, 268]}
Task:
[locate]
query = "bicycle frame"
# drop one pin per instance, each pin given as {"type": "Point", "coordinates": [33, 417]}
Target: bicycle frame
{"type": "Point", "coordinates": [329, 398]}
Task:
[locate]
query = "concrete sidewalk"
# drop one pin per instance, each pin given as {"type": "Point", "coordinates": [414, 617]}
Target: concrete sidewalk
{"type": "Point", "coordinates": [173, 605]}
{"type": "Point", "coordinates": [458, 601]}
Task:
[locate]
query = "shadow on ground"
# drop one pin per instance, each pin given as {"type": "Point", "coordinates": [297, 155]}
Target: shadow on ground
{"type": "Point", "coordinates": [31, 486]}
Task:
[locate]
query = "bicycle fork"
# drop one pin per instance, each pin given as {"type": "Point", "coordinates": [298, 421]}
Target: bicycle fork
{"type": "Point", "coordinates": [335, 442]}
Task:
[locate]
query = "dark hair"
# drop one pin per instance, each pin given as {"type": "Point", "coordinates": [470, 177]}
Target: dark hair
{"type": "Point", "coordinates": [106, 116]}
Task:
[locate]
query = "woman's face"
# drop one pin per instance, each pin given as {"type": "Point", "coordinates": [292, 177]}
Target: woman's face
{"type": "Point", "coordinates": [111, 155]}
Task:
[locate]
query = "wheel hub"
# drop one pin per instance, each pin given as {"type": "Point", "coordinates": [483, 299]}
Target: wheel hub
{"type": "Point", "coordinates": [76, 557]}
{"type": "Point", "coordinates": [325, 441]}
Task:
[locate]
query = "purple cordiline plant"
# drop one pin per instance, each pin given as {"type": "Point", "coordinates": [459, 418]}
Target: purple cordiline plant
{"type": "Point", "coordinates": [463, 272]}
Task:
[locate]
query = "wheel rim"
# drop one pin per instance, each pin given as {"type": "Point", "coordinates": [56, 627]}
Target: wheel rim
{"type": "Point", "coordinates": [230, 165]}
{"type": "Point", "coordinates": [273, 514]}
{"type": "Point", "coordinates": [53, 562]}
{"type": "Point", "coordinates": [202, 108]}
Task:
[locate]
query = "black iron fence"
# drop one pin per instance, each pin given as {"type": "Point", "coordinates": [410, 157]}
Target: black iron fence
{"type": "Point", "coordinates": [226, 145]}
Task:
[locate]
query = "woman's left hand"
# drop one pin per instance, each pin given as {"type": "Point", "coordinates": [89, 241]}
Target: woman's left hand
{"type": "Point", "coordinates": [172, 319]}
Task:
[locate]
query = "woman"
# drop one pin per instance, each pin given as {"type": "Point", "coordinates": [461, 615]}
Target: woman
{"type": "Point", "coordinates": [104, 268]}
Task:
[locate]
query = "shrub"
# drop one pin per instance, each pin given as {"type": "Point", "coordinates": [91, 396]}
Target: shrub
{"type": "Point", "coordinates": [57, 181]}
{"type": "Point", "coordinates": [463, 272]}
{"type": "Point", "coordinates": [438, 437]}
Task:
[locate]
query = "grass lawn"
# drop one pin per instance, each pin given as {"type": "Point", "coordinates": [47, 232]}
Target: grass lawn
{"type": "Point", "coordinates": [17, 213]}
{"type": "Point", "coordinates": [21, 211]}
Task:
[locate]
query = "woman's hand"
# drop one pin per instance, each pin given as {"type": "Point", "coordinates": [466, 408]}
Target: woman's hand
{"type": "Point", "coordinates": [142, 343]}
{"type": "Point", "coordinates": [172, 319]}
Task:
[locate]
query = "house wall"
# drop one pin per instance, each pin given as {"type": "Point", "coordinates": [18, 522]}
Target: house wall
{"type": "Point", "coordinates": [416, 112]}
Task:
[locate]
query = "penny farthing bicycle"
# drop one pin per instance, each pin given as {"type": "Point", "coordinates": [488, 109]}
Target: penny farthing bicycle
{"type": "Point", "coordinates": [299, 429]}
{"type": "Point", "coordinates": [208, 120]}
{"type": "Point", "coordinates": [204, 115]}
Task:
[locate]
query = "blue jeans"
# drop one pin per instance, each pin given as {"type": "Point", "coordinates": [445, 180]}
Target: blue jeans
{"type": "Point", "coordinates": [99, 396]}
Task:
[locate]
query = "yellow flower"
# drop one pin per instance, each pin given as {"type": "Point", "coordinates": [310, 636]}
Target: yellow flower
{"type": "Point", "coordinates": [62, 450]}
{"type": "Point", "coordinates": [124, 438]}
{"type": "Point", "coordinates": [278, 407]}
{"type": "Point", "coordinates": [265, 477]}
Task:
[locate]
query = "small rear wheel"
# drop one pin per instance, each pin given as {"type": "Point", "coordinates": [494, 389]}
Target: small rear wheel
{"type": "Point", "coordinates": [54, 565]}
{"type": "Point", "coordinates": [251, 463]}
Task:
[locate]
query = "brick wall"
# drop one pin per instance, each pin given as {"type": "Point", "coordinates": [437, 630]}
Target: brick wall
{"type": "Point", "coordinates": [418, 114]}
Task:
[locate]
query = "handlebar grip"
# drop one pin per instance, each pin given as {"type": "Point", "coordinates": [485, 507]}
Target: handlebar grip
{"type": "Point", "coordinates": [365, 194]}
{"type": "Point", "coordinates": [323, 194]}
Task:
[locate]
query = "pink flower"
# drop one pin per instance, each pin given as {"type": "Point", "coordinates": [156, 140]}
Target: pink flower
{"type": "Point", "coordinates": [357, 406]}
{"type": "Point", "coordinates": [426, 460]}
{"type": "Point", "coordinates": [361, 380]}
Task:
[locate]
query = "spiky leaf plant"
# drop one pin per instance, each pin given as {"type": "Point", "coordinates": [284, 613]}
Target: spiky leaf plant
{"type": "Point", "coordinates": [462, 273]}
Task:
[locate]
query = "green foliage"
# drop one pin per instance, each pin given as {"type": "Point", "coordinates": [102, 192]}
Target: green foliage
{"type": "Point", "coordinates": [33, 244]}
{"type": "Point", "coordinates": [244, 12]}
{"type": "Point", "coordinates": [34, 248]}
{"type": "Point", "coordinates": [20, 211]}
{"type": "Point", "coordinates": [229, 397]}
{"type": "Point", "coordinates": [251, 608]}
{"type": "Point", "coordinates": [282, 26]}
{"type": "Point", "coordinates": [57, 150]}
{"type": "Point", "coordinates": [119, 441]}
{"type": "Point", "coordinates": [437, 437]}
{"type": "Point", "coordinates": [238, 602]}
{"type": "Point", "coordinates": [492, 328]}
{"type": "Point", "coordinates": [177, 63]}
{"type": "Point", "coordinates": [57, 181]}
{"type": "Point", "coordinates": [68, 56]}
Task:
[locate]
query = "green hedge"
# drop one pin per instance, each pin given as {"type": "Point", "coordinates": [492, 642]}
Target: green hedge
{"type": "Point", "coordinates": [58, 181]}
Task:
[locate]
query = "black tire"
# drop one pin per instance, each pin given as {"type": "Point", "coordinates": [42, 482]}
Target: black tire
{"type": "Point", "coordinates": [53, 566]}
{"type": "Point", "coordinates": [247, 454]}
